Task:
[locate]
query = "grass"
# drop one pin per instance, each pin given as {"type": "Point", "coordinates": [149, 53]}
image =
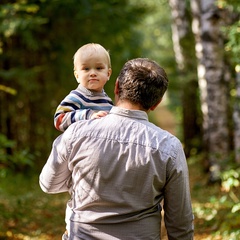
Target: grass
{"type": "Point", "coordinates": [28, 213]}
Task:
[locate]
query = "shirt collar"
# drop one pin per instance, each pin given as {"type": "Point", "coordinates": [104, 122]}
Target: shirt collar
{"type": "Point", "coordinates": [129, 113]}
{"type": "Point", "coordinates": [88, 92]}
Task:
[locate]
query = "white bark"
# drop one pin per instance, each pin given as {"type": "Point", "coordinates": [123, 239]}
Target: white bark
{"type": "Point", "coordinates": [180, 27]}
{"type": "Point", "coordinates": [213, 81]}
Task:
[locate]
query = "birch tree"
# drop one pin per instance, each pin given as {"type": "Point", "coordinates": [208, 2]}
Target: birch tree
{"type": "Point", "coordinates": [183, 44]}
{"type": "Point", "coordinates": [214, 77]}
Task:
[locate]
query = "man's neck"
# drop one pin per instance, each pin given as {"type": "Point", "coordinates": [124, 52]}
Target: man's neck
{"type": "Point", "coordinates": [129, 106]}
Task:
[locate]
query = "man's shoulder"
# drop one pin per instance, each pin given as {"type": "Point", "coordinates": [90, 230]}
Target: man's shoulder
{"type": "Point", "coordinates": [161, 132]}
{"type": "Point", "coordinates": [165, 141]}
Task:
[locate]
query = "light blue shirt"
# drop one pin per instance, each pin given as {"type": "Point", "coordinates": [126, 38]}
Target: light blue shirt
{"type": "Point", "coordinates": [121, 167]}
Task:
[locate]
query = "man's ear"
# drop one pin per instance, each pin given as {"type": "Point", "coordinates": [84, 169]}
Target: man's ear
{"type": "Point", "coordinates": [116, 88]}
{"type": "Point", "coordinates": [154, 106]}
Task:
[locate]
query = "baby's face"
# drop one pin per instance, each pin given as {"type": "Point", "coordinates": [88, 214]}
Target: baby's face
{"type": "Point", "coordinates": [92, 71]}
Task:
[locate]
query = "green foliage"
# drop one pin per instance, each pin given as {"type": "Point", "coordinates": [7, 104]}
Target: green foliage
{"type": "Point", "coordinates": [230, 184]}
{"type": "Point", "coordinates": [5, 158]}
{"type": "Point", "coordinates": [17, 17]}
{"type": "Point", "coordinates": [12, 160]}
{"type": "Point", "coordinates": [230, 179]}
{"type": "Point", "coordinates": [233, 44]}
{"type": "Point", "coordinates": [230, 4]}
{"type": "Point", "coordinates": [232, 31]}
{"type": "Point", "coordinates": [216, 207]}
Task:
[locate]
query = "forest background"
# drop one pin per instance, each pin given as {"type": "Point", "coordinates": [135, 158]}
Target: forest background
{"type": "Point", "coordinates": [197, 42]}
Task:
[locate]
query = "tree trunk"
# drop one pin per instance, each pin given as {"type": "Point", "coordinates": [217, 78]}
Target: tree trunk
{"type": "Point", "coordinates": [236, 118]}
{"type": "Point", "coordinates": [213, 81]}
{"type": "Point", "coordinates": [183, 43]}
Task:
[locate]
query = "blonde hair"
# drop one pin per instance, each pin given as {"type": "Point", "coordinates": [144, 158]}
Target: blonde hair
{"type": "Point", "coordinates": [91, 48]}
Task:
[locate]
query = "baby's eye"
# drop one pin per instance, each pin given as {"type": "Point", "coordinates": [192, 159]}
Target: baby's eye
{"type": "Point", "coordinates": [99, 68]}
{"type": "Point", "coordinates": [86, 68]}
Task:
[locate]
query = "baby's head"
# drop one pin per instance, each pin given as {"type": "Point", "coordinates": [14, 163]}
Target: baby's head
{"type": "Point", "coordinates": [92, 66]}
{"type": "Point", "coordinates": [91, 50]}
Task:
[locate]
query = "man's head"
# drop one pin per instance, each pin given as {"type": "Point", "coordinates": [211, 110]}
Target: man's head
{"type": "Point", "coordinates": [141, 82]}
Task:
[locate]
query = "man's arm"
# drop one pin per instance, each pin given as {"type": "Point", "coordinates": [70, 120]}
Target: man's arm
{"type": "Point", "coordinates": [178, 214]}
{"type": "Point", "coordinates": [55, 175]}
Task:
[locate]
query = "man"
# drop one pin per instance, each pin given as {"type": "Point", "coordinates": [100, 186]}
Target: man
{"type": "Point", "coordinates": [122, 166]}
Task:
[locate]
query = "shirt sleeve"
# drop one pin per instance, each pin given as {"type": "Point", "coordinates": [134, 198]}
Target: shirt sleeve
{"type": "Point", "coordinates": [69, 111]}
{"type": "Point", "coordinates": [178, 214]}
{"type": "Point", "coordinates": [56, 176]}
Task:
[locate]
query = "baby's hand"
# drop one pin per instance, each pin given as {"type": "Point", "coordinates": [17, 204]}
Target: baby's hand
{"type": "Point", "coordinates": [98, 114]}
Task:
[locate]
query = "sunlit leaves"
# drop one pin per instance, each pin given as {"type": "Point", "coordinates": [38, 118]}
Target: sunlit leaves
{"type": "Point", "coordinates": [8, 90]}
{"type": "Point", "coordinates": [230, 179]}
{"type": "Point", "coordinates": [233, 44]}
{"type": "Point", "coordinates": [236, 208]}
{"type": "Point", "coordinates": [18, 17]}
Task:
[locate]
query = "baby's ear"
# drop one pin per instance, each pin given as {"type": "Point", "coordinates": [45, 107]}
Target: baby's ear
{"type": "Point", "coordinates": [76, 75]}
{"type": "Point", "coordinates": [109, 73]}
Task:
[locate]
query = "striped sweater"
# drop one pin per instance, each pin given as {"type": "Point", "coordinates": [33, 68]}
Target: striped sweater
{"type": "Point", "coordinates": [78, 105]}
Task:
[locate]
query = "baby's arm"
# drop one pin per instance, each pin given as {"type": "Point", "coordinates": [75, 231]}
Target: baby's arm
{"type": "Point", "coordinates": [69, 111]}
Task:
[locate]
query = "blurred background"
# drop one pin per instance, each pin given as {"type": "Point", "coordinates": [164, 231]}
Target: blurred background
{"type": "Point", "coordinates": [197, 42]}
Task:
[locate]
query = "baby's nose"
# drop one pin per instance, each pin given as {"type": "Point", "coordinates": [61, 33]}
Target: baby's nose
{"type": "Point", "coordinates": [92, 72]}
